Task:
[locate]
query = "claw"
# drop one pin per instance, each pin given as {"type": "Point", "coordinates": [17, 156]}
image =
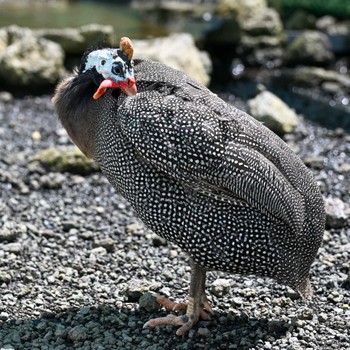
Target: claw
{"type": "Point", "coordinates": [185, 322]}
{"type": "Point", "coordinates": [198, 306]}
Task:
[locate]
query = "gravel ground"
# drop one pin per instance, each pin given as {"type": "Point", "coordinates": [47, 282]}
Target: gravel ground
{"type": "Point", "coordinates": [74, 258]}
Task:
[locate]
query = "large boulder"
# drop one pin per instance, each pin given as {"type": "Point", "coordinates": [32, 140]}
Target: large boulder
{"type": "Point", "coordinates": [262, 36]}
{"type": "Point", "coordinates": [316, 77]}
{"type": "Point", "coordinates": [273, 112]}
{"type": "Point", "coordinates": [255, 30]}
{"type": "Point", "coordinates": [29, 61]}
{"type": "Point", "coordinates": [240, 8]}
{"type": "Point", "coordinates": [310, 48]}
{"type": "Point", "coordinates": [75, 41]}
{"type": "Point", "coordinates": [178, 51]}
{"type": "Point", "coordinates": [265, 22]}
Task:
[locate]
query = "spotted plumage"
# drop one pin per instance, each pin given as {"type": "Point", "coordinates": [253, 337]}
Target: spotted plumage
{"type": "Point", "coordinates": [201, 174]}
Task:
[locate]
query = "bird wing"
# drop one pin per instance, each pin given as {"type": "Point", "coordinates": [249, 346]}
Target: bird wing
{"type": "Point", "coordinates": [188, 140]}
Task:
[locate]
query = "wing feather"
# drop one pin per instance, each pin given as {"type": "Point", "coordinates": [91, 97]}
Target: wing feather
{"type": "Point", "coordinates": [192, 143]}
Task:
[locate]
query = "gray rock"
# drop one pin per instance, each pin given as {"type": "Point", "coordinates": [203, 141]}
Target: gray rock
{"type": "Point", "coordinates": [266, 22]}
{"type": "Point", "coordinates": [241, 8]}
{"type": "Point", "coordinates": [337, 212]}
{"type": "Point", "coordinates": [203, 332]}
{"type": "Point", "coordinates": [177, 51]}
{"type": "Point", "coordinates": [4, 316]}
{"type": "Point", "coordinates": [75, 41]}
{"type": "Point", "coordinates": [5, 97]}
{"type": "Point", "coordinates": [5, 277]}
{"type": "Point", "coordinates": [316, 76]}
{"type": "Point", "coordinates": [148, 302]}
{"type": "Point", "coordinates": [15, 248]}
{"type": "Point", "coordinates": [99, 251]}
{"type": "Point", "coordinates": [158, 241]}
{"type": "Point", "coordinates": [52, 180]}
{"type": "Point", "coordinates": [273, 112]}
{"type": "Point", "coordinates": [310, 48]}
{"type": "Point", "coordinates": [29, 61]}
{"type": "Point", "coordinates": [106, 243]}
{"type": "Point", "coordinates": [306, 314]}
{"type": "Point", "coordinates": [220, 287]}
{"type": "Point", "coordinates": [10, 231]}
{"type": "Point", "coordinates": [136, 287]}
{"type": "Point", "coordinates": [77, 334]}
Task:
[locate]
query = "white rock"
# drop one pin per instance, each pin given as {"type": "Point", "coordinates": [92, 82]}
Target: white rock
{"type": "Point", "coordinates": [273, 112]}
{"type": "Point", "coordinates": [177, 51]}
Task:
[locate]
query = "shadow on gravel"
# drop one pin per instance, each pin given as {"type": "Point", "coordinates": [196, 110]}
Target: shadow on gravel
{"type": "Point", "coordinates": [105, 327]}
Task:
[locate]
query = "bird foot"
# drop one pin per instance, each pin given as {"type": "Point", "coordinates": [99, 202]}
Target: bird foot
{"type": "Point", "coordinates": [197, 308]}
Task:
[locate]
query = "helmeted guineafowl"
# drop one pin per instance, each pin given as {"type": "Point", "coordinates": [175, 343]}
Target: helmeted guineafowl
{"type": "Point", "coordinates": [199, 172]}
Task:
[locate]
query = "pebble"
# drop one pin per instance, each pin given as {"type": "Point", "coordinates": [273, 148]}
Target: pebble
{"type": "Point", "coordinates": [77, 334]}
{"type": "Point", "coordinates": [5, 277]}
{"type": "Point", "coordinates": [148, 302]}
{"type": "Point", "coordinates": [136, 287]}
{"type": "Point", "coordinates": [4, 316]}
{"type": "Point", "coordinates": [106, 243]}
{"type": "Point", "coordinates": [203, 332]}
{"type": "Point", "coordinates": [337, 212]}
{"type": "Point", "coordinates": [5, 97]}
{"type": "Point", "coordinates": [220, 287]}
{"type": "Point", "coordinates": [15, 248]}
{"type": "Point", "coordinates": [52, 181]}
{"type": "Point", "coordinates": [322, 317]}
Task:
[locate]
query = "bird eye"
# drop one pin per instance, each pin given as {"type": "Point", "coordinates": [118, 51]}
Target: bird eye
{"type": "Point", "coordinates": [117, 69]}
{"type": "Point", "coordinates": [103, 62]}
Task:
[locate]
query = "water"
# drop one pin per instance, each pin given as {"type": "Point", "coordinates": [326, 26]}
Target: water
{"type": "Point", "coordinates": [60, 14]}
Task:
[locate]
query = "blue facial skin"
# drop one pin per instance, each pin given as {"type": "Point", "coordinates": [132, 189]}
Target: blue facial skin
{"type": "Point", "coordinates": [109, 64]}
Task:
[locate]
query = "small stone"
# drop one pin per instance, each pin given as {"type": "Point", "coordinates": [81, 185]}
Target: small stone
{"type": "Point", "coordinates": [276, 326]}
{"type": "Point", "coordinates": [5, 277]}
{"type": "Point", "coordinates": [85, 310]}
{"type": "Point", "coordinates": [306, 314]}
{"type": "Point", "coordinates": [4, 316]}
{"type": "Point", "coordinates": [68, 224]}
{"type": "Point", "coordinates": [337, 212]}
{"type": "Point", "coordinates": [77, 334]}
{"type": "Point", "coordinates": [107, 243]}
{"type": "Point", "coordinates": [12, 248]}
{"type": "Point", "coordinates": [11, 230]}
{"type": "Point", "coordinates": [322, 317]}
{"type": "Point", "coordinates": [5, 97]}
{"type": "Point", "coordinates": [159, 241]}
{"type": "Point", "coordinates": [135, 229]}
{"type": "Point", "coordinates": [28, 278]}
{"type": "Point", "coordinates": [236, 302]}
{"type": "Point", "coordinates": [203, 332]}
{"type": "Point", "coordinates": [99, 251]}
{"type": "Point", "coordinates": [36, 136]}
{"type": "Point", "coordinates": [148, 302]}
{"type": "Point", "coordinates": [52, 180]}
{"type": "Point", "coordinates": [136, 287]}
{"type": "Point", "coordinates": [220, 287]}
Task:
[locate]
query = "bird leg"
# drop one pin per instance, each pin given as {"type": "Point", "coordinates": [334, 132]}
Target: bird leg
{"type": "Point", "coordinates": [197, 301]}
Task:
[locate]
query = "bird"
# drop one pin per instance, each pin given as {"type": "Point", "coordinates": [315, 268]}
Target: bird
{"type": "Point", "coordinates": [198, 172]}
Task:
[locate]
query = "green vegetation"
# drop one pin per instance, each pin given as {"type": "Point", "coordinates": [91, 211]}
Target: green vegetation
{"type": "Point", "coordinates": [338, 8]}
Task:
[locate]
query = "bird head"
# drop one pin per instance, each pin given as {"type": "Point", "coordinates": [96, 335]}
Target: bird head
{"type": "Point", "coordinates": [112, 68]}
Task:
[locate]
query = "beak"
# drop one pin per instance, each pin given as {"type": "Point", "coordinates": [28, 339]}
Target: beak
{"type": "Point", "coordinates": [128, 86]}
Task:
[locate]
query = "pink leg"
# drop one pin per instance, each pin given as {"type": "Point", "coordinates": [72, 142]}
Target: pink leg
{"type": "Point", "coordinates": [197, 301]}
